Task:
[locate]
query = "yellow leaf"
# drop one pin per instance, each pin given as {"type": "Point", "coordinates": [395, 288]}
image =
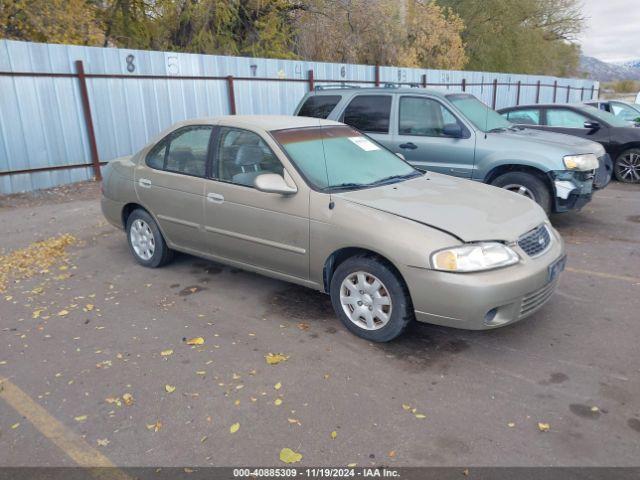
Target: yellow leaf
{"type": "Point", "coordinates": [352, 465]}
{"type": "Point", "coordinates": [102, 442]}
{"type": "Point", "coordinates": [201, 372]}
{"type": "Point", "coordinates": [294, 420]}
{"type": "Point", "coordinates": [595, 409]}
{"type": "Point", "coordinates": [406, 407]}
{"type": "Point", "coordinates": [275, 358]}
{"type": "Point", "coordinates": [420, 415]}
{"type": "Point", "coordinates": [289, 456]}
{"type": "Point", "coordinates": [62, 313]}
{"type": "Point", "coordinates": [334, 434]}
{"type": "Point", "coordinates": [511, 424]}
{"type": "Point", "coordinates": [128, 399]}
{"type": "Point", "coordinates": [15, 425]}
{"type": "Point", "coordinates": [166, 353]}
{"type": "Point", "coordinates": [278, 386]}
{"type": "Point", "coordinates": [155, 426]}
{"type": "Point", "coordinates": [277, 401]}
{"type": "Point", "coordinates": [543, 427]}
{"type": "Point", "coordinates": [88, 307]}
{"type": "Point", "coordinates": [234, 428]}
{"type": "Point", "coordinates": [80, 418]}
{"type": "Point", "coordinates": [170, 388]}
{"type": "Point", "coordinates": [195, 341]}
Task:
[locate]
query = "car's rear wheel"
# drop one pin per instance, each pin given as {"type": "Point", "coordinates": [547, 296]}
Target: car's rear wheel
{"type": "Point", "coordinates": [527, 185]}
{"type": "Point", "coordinates": [370, 298]}
{"type": "Point", "coordinates": [627, 166]}
{"type": "Point", "coordinates": [145, 240]}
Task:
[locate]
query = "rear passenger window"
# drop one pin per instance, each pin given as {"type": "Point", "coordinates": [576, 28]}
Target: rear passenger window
{"type": "Point", "coordinates": [566, 118]}
{"type": "Point", "coordinates": [369, 113]}
{"type": "Point", "coordinates": [524, 117]}
{"type": "Point", "coordinates": [319, 106]}
{"type": "Point", "coordinates": [184, 151]}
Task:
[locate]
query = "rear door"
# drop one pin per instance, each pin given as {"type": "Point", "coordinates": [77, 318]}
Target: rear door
{"type": "Point", "coordinates": [420, 137]}
{"type": "Point", "coordinates": [170, 183]}
{"type": "Point", "coordinates": [266, 230]}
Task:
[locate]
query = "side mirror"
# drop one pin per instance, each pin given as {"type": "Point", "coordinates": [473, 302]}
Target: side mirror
{"type": "Point", "coordinates": [273, 183]}
{"type": "Point", "coordinates": [401, 156]}
{"type": "Point", "coordinates": [452, 130]}
{"type": "Point", "coordinates": [591, 125]}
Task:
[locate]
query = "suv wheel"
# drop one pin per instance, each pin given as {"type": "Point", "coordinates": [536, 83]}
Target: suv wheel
{"type": "Point", "coordinates": [627, 166]}
{"type": "Point", "coordinates": [370, 298]}
{"type": "Point", "coordinates": [526, 184]}
{"type": "Point", "coordinates": [145, 240]}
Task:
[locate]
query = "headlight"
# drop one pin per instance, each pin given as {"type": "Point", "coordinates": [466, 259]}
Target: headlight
{"type": "Point", "coordinates": [587, 161]}
{"type": "Point", "coordinates": [474, 257]}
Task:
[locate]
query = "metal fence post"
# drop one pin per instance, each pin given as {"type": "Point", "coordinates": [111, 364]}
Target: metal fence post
{"type": "Point", "coordinates": [495, 93]}
{"type": "Point", "coordinates": [424, 80]}
{"type": "Point", "coordinates": [464, 84]}
{"type": "Point", "coordinates": [376, 75]}
{"type": "Point", "coordinates": [581, 94]}
{"type": "Point", "coordinates": [311, 81]}
{"type": "Point", "coordinates": [555, 90]}
{"type": "Point", "coordinates": [518, 93]}
{"type": "Point", "coordinates": [568, 92]}
{"type": "Point", "coordinates": [538, 92]}
{"type": "Point", "coordinates": [592, 88]}
{"type": "Point", "coordinates": [86, 107]}
{"type": "Point", "coordinates": [232, 95]}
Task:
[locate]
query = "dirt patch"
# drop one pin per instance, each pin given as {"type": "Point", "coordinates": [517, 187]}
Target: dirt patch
{"type": "Point", "coordinates": [62, 194]}
{"type": "Point", "coordinates": [555, 378]}
{"type": "Point", "coordinates": [584, 411]}
{"type": "Point", "coordinates": [190, 290]}
{"type": "Point", "coordinates": [634, 424]}
{"type": "Point", "coordinates": [301, 303]}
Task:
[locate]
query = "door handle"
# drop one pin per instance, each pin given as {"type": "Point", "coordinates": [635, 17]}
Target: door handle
{"type": "Point", "coordinates": [215, 198]}
{"type": "Point", "coordinates": [408, 145]}
{"type": "Point", "coordinates": [144, 182]}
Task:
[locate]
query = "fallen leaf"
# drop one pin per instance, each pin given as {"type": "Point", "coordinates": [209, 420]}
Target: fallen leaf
{"type": "Point", "coordinates": [15, 425]}
{"type": "Point", "coordinates": [234, 428]}
{"type": "Point", "coordinates": [102, 442]}
{"type": "Point", "coordinates": [334, 434]}
{"type": "Point", "coordinates": [352, 465]}
{"type": "Point", "coordinates": [294, 420]}
{"type": "Point", "coordinates": [166, 353]}
{"type": "Point", "coordinates": [80, 418]}
{"type": "Point", "coordinates": [128, 399]}
{"type": "Point", "coordinates": [277, 386]}
{"type": "Point", "coordinates": [392, 453]}
{"type": "Point", "coordinates": [62, 313]}
{"type": "Point", "coordinates": [170, 388]}
{"type": "Point", "coordinates": [195, 341]}
{"type": "Point", "coordinates": [289, 456]}
{"type": "Point", "coordinates": [155, 426]}
{"type": "Point", "coordinates": [112, 400]}
{"type": "Point", "coordinates": [88, 307]}
{"type": "Point", "coordinates": [420, 415]}
{"type": "Point", "coordinates": [406, 407]}
{"type": "Point", "coordinates": [275, 358]}
{"type": "Point", "coordinates": [543, 427]}
{"type": "Point", "coordinates": [511, 424]}
{"type": "Point", "coordinates": [277, 402]}
{"type": "Point", "coordinates": [203, 439]}
{"type": "Point", "coordinates": [595, 409]}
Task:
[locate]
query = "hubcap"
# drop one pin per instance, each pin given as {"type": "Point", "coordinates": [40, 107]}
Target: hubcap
{"type": "Point", "coordinates": [365, 300]}
{"type": "Point", "coordinates": [142, 240]}
{"type": "Point", "coordinates": [628, 168]}
{"type": "Point", "coordinates": [520, 190]}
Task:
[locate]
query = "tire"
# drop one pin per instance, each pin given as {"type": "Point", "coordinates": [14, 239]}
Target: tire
{"type": "Point", "coordinates": [398, 308]}
{"type": "Point", "coordinates": [146, 243]}
{"type": "Point", "coordinates": [627, 166]}
{"type": "Point", "coordinates": [528, 185]}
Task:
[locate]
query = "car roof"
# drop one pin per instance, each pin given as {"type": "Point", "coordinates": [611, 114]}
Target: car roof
{"type": "Point", "coordinates": [388, 90]}
{"type": "Point", "coordinates": [546, 105]}
{"type": "Point", "coordinates": [261, 122]}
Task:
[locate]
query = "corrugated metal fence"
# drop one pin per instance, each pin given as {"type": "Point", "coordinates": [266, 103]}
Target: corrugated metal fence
{"type": "Point", "coordinates": [64, 109]}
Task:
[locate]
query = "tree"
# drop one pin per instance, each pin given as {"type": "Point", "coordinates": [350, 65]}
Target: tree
{"type": "Point", "coordinates": [54, 21]}
{"type": "Point", "coordinates": [410, 33]}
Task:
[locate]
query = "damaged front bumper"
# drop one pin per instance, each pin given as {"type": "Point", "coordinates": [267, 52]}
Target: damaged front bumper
{"type": "Point", "coordinates": [572, 189]}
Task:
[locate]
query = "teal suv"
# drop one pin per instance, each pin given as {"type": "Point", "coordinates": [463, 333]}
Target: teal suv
{"type": "Point", "coordinates": [457, 134]}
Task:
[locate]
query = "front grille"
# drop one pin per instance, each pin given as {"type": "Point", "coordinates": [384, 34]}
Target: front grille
{"type": "Point", "coordinates": [535, 241]}
{"type": "Point", "coordinates": [536, 299]}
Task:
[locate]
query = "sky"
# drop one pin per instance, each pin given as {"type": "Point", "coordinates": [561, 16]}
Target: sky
{"type": "Point", "coordinates": [612, 32]}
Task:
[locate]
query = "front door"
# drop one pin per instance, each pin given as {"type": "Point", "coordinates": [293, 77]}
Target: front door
{"type": "Point", "coordinates": [421, 140]}
{"type": "Point", "coordinates": [570, 122]}
{"type": "Point", "coordinates": [170, 183]}
{"type": "Point", "coordinates": [265, 230]}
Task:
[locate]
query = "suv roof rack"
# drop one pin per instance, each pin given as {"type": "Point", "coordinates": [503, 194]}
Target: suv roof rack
{"type": "Point", "coordinates": [334, 86]}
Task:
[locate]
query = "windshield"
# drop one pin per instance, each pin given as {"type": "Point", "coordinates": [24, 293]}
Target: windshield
{"type": "Point", "coordinates": [341, 158]}
{"type": "Point", "coordinates": [478, 113]}
{"type": "Point", "coordinates": [605, 116]}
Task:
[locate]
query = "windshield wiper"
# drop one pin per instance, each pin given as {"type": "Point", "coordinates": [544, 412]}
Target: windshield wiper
{"type": "Point", "coordinates": [345, 186]}
{"type": "Point", "coordinates": [498, 129]}
{"type": "Point", "coordinates": [396, 177]}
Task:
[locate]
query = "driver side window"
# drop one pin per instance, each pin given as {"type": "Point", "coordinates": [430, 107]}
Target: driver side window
{"type": "Point", "coordinates": [562, 117]}
{"type": "Point", "coordinates": [242, 156]}
{"type": "Point", "coordinates": [423, 117]}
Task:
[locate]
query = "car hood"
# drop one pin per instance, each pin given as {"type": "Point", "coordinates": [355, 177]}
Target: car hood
{"type": "Point", "coordinates": [468, 210]}
{"type": "Point", "coordinates": [569, 144]}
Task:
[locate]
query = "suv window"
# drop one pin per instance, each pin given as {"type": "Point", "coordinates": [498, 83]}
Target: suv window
{"type": "Point", "coordinates": [526, 116]}
{"type": "Point", "coordinates": [242, 156]}
{"type": "Point", "coordinates": [369, 113]}
{"type": "Point", "coordinates": [563, 117]}
{"type": "Point", "coordinates": [319, 106]}
{"type": "Point", "coordinates": [424, 117]}
{"type": "Point", "coordinates": [185, 151]}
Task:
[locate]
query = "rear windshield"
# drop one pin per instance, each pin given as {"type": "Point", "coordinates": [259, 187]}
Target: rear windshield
{"type": "Point", "coordinates": [339, 157]}
{"type": "Point", "coordinates": [319, 106]}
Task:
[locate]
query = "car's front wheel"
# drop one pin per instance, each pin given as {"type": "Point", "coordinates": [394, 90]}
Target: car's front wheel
{"type": "Point", "coordinates": [370, 298]}
{"type": "Point", "coordinates": [627, 166]}
{"type": "Point", "coordinates": [145, 240]}
{"type": "Point", "coordinates": [525, 184]}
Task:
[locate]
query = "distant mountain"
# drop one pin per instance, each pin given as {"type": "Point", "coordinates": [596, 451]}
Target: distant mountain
{"type": "Point", "coordinates": [605, 72]}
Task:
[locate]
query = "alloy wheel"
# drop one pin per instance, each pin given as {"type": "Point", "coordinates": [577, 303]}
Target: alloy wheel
{"type": "Point", "coordinates": [520, 190]}
{"type": "Point", "coordinates": [628, 167]}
